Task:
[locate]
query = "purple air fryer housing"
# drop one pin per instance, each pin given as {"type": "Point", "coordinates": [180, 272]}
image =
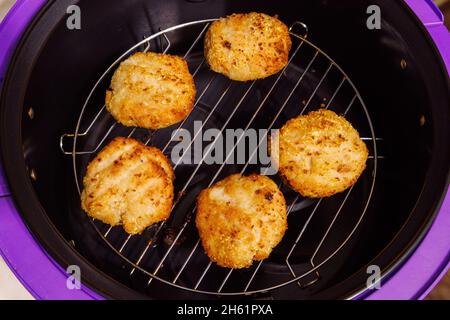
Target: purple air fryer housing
{"type": "Point", "coordinates": [45, 279]}
{"type": "Point", "coordinates": [36, 270]}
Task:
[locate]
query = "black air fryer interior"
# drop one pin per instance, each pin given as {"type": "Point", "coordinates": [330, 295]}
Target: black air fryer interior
{"type": "Point", "coordinates": [54, 70]}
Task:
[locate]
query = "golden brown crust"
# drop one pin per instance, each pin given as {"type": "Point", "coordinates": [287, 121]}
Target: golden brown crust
{"type": "Point", "coordinates": [247, 46]}
{"type": "Point", "coordinates": [320, 154]}
{"type": "Point", "coordinates": [151, 90]}
{"type": "Point", "coordinates": [241, 219]}
{"type": "Point", "coordinates": [128, 183]}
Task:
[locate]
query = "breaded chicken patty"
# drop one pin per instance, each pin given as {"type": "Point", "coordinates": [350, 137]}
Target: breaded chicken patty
{"type": "Point", "coordinates": [241, 219]}
{"type": "Point", "coordinates": [247, 46]}
{"type": "Point", "coordinates": [128, 183]}
{"type": "Point", "coordinates": [320, 154]}
{"type": "Point", "coordinates": [151, 90]}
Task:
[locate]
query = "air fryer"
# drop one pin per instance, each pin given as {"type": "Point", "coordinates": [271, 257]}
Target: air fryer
{"type": "Point", "coordinates": [390, 83]}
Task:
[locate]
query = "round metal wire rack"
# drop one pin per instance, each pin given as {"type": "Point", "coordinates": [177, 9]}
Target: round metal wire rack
{"type": "Point", "coordinates": [309, 81]}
